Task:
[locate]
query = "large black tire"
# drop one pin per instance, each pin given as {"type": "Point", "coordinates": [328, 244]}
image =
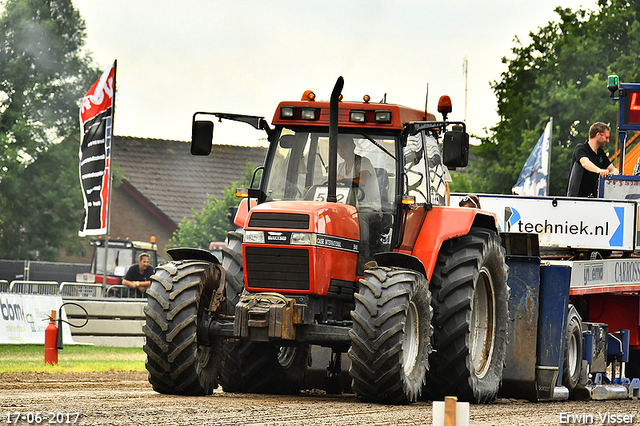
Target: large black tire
{"type": "Point", "coordinates": [260, 367]}
{"type": "Point", "coordinates": [572, 365]}
{"type": "Point", "coordinates": [470, 308]}
{"type": "Point", "coordinates": [232, 264]}
{"type": "Point", "coordinates": [176, 303]}
{"type": "Point", "coordinates": [391, 336]}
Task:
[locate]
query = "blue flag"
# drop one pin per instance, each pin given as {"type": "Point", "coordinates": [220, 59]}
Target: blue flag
{"type": "Point", "coordinates": [534, 176]}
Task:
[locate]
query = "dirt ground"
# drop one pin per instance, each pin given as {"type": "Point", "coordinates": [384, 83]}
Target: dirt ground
{"type": "Point", "coordinates": [119, 398]}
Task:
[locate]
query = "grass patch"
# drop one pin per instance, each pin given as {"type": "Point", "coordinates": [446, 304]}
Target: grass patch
{"type": "Point", "coordinates": [73, 358]}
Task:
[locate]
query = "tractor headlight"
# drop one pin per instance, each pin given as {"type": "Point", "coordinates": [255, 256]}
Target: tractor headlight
{"type": "Point", "coordinates": [308, 114]}
{"type": "Point", "coordinates": [357, 116]}
{"type": "Point", "coordinates": [303, 239]}
{"type": "Point", "coordinates": [286, 112]}
{"type": "Point", "coordinates": [383, 116]}
{"type": "Point", "coordinates": [253, 237]}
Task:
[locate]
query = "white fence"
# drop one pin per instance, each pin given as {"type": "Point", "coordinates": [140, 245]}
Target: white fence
{"type": "Point", "coordinates": [44, 288]}
{"type": "Point", "coordinates": [68, 289]}
{"type": "Point", "coordinates": [115, 320]}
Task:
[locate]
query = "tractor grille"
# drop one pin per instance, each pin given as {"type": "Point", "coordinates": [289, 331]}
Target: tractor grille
{"type": "Point", "coordinates": [279, 220]}
{"type": "Point", "coordinates": [277, 268]}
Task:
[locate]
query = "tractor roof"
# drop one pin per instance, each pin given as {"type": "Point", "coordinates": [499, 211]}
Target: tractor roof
{"type": "Point", "coordinates": [351, 114]}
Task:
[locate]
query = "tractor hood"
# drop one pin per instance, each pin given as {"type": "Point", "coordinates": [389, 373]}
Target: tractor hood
{"type": "Point", "coordinates": [335, 219]}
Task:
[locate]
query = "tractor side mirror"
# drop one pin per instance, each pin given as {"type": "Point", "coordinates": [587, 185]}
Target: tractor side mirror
{"type": "Point", "coordinates": [201, 137]}
{"type": "Point", "coordinates": [455, 149]}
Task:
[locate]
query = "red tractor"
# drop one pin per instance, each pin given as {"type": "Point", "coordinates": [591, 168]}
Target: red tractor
{"type": "Point", "coordinates": [346, 242]}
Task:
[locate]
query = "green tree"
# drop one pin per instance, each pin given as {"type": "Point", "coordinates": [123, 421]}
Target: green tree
{"type": "Point", "coordinates": [35, 224]}
{"type": "Point", "coordinates": [459, 183]}
{"type": "Point", "coordinates": [212, 223]}
{"type": "Point", "coordinates": [562, 74]}
{"type": "Point", "coordinates": [43, 76]}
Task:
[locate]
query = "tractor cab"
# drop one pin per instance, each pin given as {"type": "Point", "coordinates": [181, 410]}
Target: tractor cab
{"type": "Point", "coordinates": [376, 173]}
{"type": "Point", "coordinates": [388, 161]}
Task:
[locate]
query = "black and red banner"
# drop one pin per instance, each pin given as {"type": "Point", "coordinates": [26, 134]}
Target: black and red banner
{"type": "Point", "coordinates": [96, 123]}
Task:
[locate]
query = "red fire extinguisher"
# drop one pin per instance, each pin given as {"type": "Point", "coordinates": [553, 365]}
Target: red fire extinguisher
{"type": "Point", "coordinates": [50, 341]}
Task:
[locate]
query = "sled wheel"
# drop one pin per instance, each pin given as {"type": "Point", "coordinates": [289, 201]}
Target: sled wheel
{"type": "Point", "coordinates": [573, 350]}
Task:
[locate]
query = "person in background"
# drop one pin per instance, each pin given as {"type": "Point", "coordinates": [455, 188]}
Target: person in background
{"type": "Point", "coordinates": [138, 276]}
{"type": "Point", "coordinates": [470, 201]}
{"type": "Point", "coordinates": [590, 162]}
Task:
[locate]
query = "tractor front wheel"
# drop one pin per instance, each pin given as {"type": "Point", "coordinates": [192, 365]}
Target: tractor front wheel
{"type": "Point", "coordinates": [177, 298]}
{"type": "Point", "coordinates": [391, 335]}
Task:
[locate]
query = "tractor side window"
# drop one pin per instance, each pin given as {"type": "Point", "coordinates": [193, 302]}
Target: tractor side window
{"type": "Point", "coordinates": [275, 186]}
{"type": "Point", "coordinates": [288, 167]}
{"type": "Point", "coordinates": [415, 168]}
{"type": "Point", "coordinates": [379, 153]}
{"type": "Point", "coordinates": [376, 209]}
{"type": "Point", "coordinates": [438, 173]}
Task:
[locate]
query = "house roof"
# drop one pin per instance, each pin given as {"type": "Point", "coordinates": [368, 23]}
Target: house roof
{"type": "Point", "coordinates": [172, 180]}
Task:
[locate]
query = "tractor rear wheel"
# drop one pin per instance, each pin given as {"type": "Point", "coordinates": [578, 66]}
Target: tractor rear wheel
{"type": "Point", "coordinates": [573, 350]}
{"type": "Point", "coordinates": [391, 335]}
{"type": "Point", "coordinates": [262, 367]}
{"type": "Point", "coordinates": [177, 364]}
{"type": "Point", "coordinates": [470, 296]}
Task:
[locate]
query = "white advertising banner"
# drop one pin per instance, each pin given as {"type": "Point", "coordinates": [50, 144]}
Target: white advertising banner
{"type": "Point", "coordinates": [563, 222]}
{"type": "Point", "coordinates": [22, 315]}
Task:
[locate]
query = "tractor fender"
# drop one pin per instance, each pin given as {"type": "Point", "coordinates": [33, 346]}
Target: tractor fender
{"type": "Point", "coordinates": [242, 213]}
{"type": "Point", "coordinates": [400, 260]}
{"type": "Point", "coordinates": [445, 223]}
{"type": "Point", "coordinates": [185, 253]}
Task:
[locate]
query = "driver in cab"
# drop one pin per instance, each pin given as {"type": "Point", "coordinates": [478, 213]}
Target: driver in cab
{"type": "Point", "coordinates": [358, 170]}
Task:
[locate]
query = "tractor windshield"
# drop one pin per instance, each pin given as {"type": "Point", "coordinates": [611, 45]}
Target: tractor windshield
{"type": "Point", "coordinates": [366, 168]}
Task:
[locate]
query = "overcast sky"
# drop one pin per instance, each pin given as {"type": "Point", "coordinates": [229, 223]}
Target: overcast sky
{"type": "Point", "coordinates": [178, 57]}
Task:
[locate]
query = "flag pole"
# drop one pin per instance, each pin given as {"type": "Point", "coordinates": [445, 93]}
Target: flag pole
{"type": "Point", "coordinates": [546, 188]}
{"type": "Point", "coordinates": [108, 155]}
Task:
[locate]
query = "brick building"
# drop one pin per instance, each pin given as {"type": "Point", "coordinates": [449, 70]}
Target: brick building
{"type": "Point", "coordinates": [162, 182]}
